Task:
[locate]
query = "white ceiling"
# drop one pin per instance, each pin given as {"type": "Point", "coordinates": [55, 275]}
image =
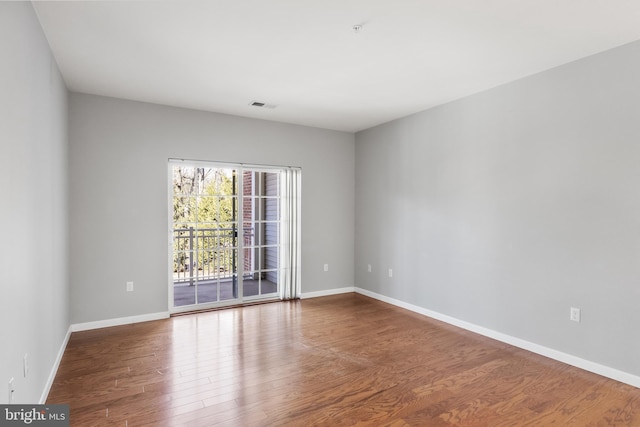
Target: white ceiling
{"type": "Point", "coordinates": [304, 57]}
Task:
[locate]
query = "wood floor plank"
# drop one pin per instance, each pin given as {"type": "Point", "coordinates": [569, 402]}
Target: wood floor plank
{"type": "Point", "coordinates": [344, 360]}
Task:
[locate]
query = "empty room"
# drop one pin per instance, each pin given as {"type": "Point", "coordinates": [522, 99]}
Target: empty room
{"type": "Point", "coordinates": [337, 213]}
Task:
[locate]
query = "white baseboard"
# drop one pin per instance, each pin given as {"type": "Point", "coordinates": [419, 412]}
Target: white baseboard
{"type": "Point", "coordinates": [337, 291]}
{"type": "Point", "coordinates": [76, 327]}
{"type": "Point", "coordinates": [54, 369]}
{"type": "Point", "coordinates": [569, 359]}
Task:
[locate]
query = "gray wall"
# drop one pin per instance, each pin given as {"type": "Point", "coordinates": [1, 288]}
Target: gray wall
{"type": "Point", "coordinates": [34, 288]}
{"type": "Point", "coordinates": [118, 196]}
{"type": "Point", "coordinates": [506, 208]}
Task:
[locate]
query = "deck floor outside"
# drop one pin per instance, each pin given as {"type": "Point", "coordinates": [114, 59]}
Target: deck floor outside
{"type": "Point", "coordinates": [207, 291]}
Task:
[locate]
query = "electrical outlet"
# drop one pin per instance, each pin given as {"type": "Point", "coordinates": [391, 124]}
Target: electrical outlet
{"type": "Point", "coordinates": [369, 268]}
{"type": "Point", "coordinates": [11, 391]}
{"type": "Point", "coordinates": [390, 273]}
{"type": "Point", "coordinates": [575, 314]}
{"type": "Point", "coordinates": [326, 267]}
{"type": "Point", "coordinates": [25, 364]}
{"type": "Point", "coordinates": [129, 286]}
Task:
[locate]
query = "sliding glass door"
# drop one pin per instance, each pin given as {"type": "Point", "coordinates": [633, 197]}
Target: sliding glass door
{"type": "Point", "coordinates": [225, 233]}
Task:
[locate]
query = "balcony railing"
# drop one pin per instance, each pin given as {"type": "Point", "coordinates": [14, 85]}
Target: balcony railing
{"type": "Point", "coordinates": [206, 253]}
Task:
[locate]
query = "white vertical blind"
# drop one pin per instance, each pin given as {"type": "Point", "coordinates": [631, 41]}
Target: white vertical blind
{"type": "Point", "coordinates": [290, 277]}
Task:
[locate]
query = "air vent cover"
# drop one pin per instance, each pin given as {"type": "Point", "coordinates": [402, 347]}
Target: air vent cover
{"type": "Point", "coordinates": [262, 105]}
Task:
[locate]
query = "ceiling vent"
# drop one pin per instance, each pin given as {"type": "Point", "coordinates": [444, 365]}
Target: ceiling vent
{"type": "Point", "coordinates": [262, 105]}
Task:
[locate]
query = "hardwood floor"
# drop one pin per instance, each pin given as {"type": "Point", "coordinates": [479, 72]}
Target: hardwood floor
{"type": "Point", "coordinates": [342, 360]}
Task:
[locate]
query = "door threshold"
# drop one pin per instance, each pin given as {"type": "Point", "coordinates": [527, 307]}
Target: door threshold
{"type": "Point", "coordinates": [244, 304]}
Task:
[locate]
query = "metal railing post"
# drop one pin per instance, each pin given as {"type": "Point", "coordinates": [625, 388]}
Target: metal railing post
{"type": "Point", "coordinates": [192, 255]}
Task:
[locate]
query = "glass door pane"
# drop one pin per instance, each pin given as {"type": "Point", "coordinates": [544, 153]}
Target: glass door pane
{"type": "Point", "coordinates": [205, 224]}
{"type": "Point", "coordinates": [260, 222]}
